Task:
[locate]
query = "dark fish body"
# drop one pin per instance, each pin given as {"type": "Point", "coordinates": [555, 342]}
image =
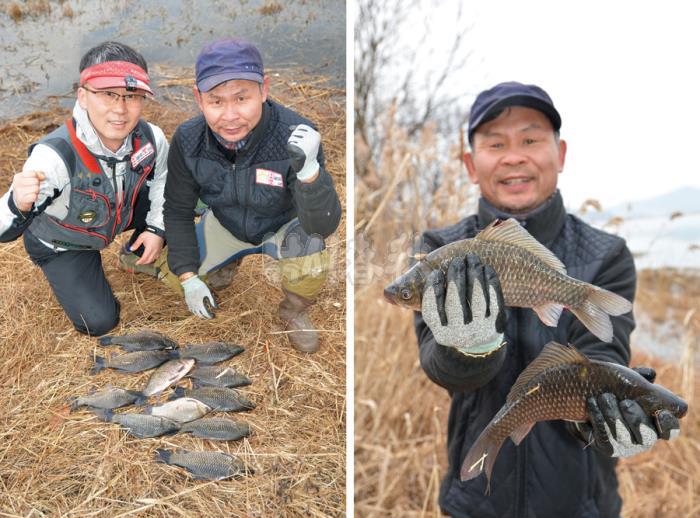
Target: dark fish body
{"type": "Point", "coordinates": [131, 362]}
{"type": "Point", "coordinates": [207, 465]}
{"type": "Point", "coordinates": [220, 399]}
{"type": "Point", "coordinates": [141, 341]}
{"type": "Point", "coordinates": [219, 376]}
{"type": "Point", "coordinates": [140, 425]}
{"type": "Point", "coordinates": [108, 398]}
{"type": "Point", "coordinates": [555, 386]}
{"type": "Point", "coordinates": [167, 375]}
{"type": "Point", "coordinates": [531, 276]}
{"type": "Point", "coordinates": [212, 352]}
{"type": "Point", "coordinates": [182, 410]}
{"type": "Point", "coordinates": [216, 428]}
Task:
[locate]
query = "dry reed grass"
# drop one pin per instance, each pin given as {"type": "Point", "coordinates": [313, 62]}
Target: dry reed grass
{"type": "Point", "coordinates": [401, 417]}
{"type": "Point", "coordinates": [57, 464]}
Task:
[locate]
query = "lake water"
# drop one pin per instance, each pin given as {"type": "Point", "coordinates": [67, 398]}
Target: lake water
{"type": "Point", "coordinates": [39, 54]}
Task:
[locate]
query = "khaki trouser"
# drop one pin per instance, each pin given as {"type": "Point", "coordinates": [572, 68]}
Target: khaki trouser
{"type": "Point", "coordinates": [303, 259]}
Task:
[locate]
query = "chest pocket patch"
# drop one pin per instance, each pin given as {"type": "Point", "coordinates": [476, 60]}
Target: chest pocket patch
{"type": "Point", "coordinates": [267, 177]}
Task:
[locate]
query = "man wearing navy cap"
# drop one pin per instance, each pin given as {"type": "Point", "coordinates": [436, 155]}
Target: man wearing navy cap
{"type": "Point", "coordinates": [259, 168]}
{"type": "Point", "coordinates": [516, 156]}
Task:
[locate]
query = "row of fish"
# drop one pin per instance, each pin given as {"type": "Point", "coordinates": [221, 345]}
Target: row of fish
{"type": "Point", "coordinates": [185, 409]}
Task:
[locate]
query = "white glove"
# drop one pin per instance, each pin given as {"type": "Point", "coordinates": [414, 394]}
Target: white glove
{"type": "Point", "coordinates": [302, 147]}
{"type": "Point", "coordinates": [196, 293]}
{"type": "Point", "coordinates": [460, 315]}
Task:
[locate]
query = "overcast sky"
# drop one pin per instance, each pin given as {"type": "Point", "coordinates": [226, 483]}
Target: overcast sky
{"type": "Point", "coordinates": [623, 75]}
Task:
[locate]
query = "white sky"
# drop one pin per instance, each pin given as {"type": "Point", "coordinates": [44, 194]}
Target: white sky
{"type": "Point", "coordinates": [623, 75]}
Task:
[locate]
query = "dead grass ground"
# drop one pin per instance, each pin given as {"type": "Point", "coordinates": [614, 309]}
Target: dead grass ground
{"type": "Point", "coordinates": [55, 464]}
{"type": "Point", "coordinates": [401, 417]}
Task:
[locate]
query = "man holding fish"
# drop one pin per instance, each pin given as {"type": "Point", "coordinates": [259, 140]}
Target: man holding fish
{"type": "Point", "coordinates": [474, 284]}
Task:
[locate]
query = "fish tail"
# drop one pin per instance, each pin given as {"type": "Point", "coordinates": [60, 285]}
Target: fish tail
{"type": "Point", "coordinates": [73, 403]}
{"type": "Point", "coordinates": [595, 311]}
{"type": "Point", "coordinates": [481, 456]}
{"type": "Point", "coordinates": [100, 364]}
{"type": "Point", "coordinates": [163, 456]}
{"type": "Point", "coordinates": [141, 398]}
{"type": "Point", "coordinates": [104, 414]}
{"type": "Point", "coordinates": [105, 340]}
{"type": "Point", "coordinates": [610, 302]}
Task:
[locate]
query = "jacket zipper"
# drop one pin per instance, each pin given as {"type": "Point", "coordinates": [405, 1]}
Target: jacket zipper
{"type": "Point", "coordinates": [245, 205]}
{"type": "Point", "coordinates": [133, 197]}
{"type": "Point", "coordinates": [118, 203]}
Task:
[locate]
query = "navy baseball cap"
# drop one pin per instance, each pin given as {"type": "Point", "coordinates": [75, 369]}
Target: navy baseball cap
{"type": "Point", "coordinates": [224, 60]}
{"type": "Point", "coordinates": [507, 94]}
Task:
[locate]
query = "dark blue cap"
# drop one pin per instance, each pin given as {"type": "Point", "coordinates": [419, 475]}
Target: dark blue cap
{"type": "Point", "coordinates": [503, 95]}
{"type": "Point", "coordinates": [224, 60]}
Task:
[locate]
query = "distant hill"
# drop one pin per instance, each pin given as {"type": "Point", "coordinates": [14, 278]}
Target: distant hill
{"type": "Point", "coordinates": [683, 199]}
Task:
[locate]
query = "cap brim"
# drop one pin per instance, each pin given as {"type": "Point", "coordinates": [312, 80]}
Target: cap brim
{"type": "Point", "coordinates": [520, 100]}
{"type": "Point", "coordinates": [117, 82]}
{"type": "Point", "coordinates": [211, 82]}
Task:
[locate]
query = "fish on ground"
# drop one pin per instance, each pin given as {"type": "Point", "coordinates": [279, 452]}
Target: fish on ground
{"type": "Point", "coordinates": [212, 352]}
{"type": "Point", "coordinates": [531, 276]}
{"type": "Point", "coordinates": [556, 385]}
{"type": "Point", "coordinates": [182, 410]}
{"type": "Point", "coordinates": [108, 398]}
{"type": "Point", "coordinates": [139, 425]}
{"type": "Point", "coordinates": [216, 428]}
{"type": "Point", "coordinates": [166, 375]}
{"type": "Point", "coordinates": [219, 376]}
{"type": "Point", "coordinates": [131, 362]}
{"type": "Point", "coordinates": [141, 341]}
{"type": "Point", "coordinates": [207, 465]}
{"type": "Point", "coordinates": [220, 399]}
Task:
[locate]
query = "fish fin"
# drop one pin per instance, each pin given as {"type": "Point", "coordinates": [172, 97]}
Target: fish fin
{"type": "Point", "coordinates": [611, 303]}
{"type": "Point", "coordinates": [100, 364]}
{"type": "Point", "coordinates": [510, 231]}
{"type": "Point", "coordinates": [481, 457]}
{"type": "Point", "coordinates": [552, 354]}
{"type": "Point", "coordinates": [163, 456]}
{"type": "Point", "coordinates": [105, 340]}
{"type": "Point", "coordinates": [520, 432]}
{"type": "Point", "coordinates": [73, 400]}
{"type": "Point", "coordinates": [595, 319]}
{"type": "Point", "coordinates": [549, 313]}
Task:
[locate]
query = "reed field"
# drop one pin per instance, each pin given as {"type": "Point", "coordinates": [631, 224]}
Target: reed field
{"type": "Point", "coordinates": [401, 416]}
{"type": "Point", "coordinates": [56, 463]}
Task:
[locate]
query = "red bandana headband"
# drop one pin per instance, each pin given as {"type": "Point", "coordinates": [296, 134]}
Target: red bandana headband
{"type": "Point", "coordinates": [116, 74]}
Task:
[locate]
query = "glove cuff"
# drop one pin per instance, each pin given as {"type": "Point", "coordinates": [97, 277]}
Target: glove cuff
{"type": "Point", "coordinates": [310, 168]}
{"type": "Point", "coordinates": [483, 349]}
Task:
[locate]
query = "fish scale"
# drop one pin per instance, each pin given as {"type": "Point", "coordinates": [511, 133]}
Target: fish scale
{"type": "Point", "coordinates": [555, 386]}
{"type": "Point", "coordinates": [530, 275]}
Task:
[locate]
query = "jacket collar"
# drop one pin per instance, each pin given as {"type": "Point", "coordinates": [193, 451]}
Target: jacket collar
{"type": "Point", "coordinates": [544, 222]}
{"type": "Point", "coordinates": [252, 138]}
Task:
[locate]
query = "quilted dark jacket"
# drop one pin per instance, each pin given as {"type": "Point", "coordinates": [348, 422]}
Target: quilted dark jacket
{"type": "Point", "coordinates": [550, 474]}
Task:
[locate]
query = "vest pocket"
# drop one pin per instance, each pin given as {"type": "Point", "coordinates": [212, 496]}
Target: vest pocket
{"type": "Point", "coordinates": [90, 210]}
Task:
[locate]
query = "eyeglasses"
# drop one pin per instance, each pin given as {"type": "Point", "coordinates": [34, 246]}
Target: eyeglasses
{"type": "Point", "coordinates": [113, 98]}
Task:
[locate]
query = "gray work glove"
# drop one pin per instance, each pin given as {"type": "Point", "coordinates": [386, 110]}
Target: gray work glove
{"type": "Point", "coordinates": [197, 295]}
{"type": "Point", "coordinates": [302, 147]}
{"type": "Point", "coordinates": [622, 428]}
{"type": "Point", "coordinates": [467, 311]}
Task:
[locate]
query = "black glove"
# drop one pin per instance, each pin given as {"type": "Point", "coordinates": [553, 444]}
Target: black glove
{"type": "Point", "coordinates": [467, 312]}
{"type": "Point", "coordinates": [622, 428]}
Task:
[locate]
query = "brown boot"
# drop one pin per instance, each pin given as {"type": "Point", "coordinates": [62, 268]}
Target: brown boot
{"type": "Point", "coordinates": [293, 310]}
{"type": "Point", "coordinates": [223, 277]}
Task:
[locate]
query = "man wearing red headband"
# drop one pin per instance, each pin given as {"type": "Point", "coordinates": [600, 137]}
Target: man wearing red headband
{"type": "Point", "coordinates": [96, 176]}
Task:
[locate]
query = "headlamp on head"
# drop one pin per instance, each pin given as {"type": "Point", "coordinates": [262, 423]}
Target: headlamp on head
{"type": "Point", "coordinates": [131, 83]}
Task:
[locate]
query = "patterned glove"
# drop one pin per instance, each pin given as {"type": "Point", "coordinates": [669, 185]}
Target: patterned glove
{"type": "Point", "coordinates": [302, 147]}
{"type": "Point", "coordinates": [468, 314]}
{"type": "Point", "coordinates": [197, 294]}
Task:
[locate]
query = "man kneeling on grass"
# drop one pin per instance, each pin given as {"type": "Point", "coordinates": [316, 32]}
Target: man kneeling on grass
{"type": "Point", "coordinates": [98, 175]}
{"type": "Point", "coordinates": [259, 169]}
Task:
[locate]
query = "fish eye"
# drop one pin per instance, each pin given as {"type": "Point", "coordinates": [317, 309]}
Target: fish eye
{"type": "Point", "coordinates": [406, 294]}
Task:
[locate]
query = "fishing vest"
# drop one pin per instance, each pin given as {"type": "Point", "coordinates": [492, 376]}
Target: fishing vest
{"type": "Point", "coordinates": [251, 194]}
{"type": "Point", "coordinates": [95, 213]}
